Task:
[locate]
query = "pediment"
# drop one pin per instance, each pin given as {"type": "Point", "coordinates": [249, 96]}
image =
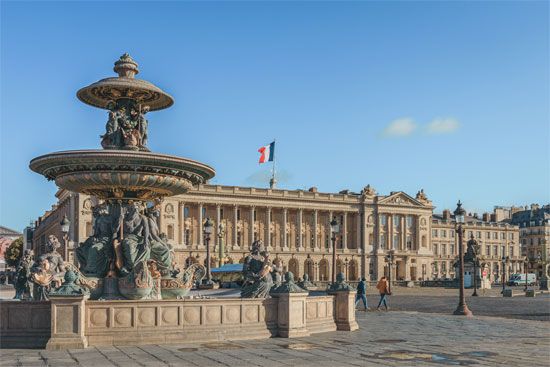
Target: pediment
{"type": "Point", "coordinates": [400, 198]}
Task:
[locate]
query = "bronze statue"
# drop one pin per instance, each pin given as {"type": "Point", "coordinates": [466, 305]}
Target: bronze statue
{"type": "Point", "coordinates": [256, 273]}
{"type": "Point", "coordinates": [23, 283]}
{"type": "Point", "coordinates": [95, 253]}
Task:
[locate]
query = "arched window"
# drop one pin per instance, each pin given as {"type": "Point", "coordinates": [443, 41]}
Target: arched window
{"type": "Point", "coordinates": [323, 270]}
{"type": "Point", "coordinates": [339, 266]}
{"type": "Point", "coordinates": [309, 269]}
{"type": "Point", "coordinates": [170, 230]}
{"type": "Point", "coordinates": [294, 267]}
{"type": "Point", "coordinates": [352, 270]}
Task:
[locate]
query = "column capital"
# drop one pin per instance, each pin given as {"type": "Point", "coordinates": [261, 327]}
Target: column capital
{"type": "Point", "coordinates": [218, 206]}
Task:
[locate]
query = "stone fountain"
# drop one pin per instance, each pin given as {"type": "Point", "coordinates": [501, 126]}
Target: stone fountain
{"type": "Point", "coordinates": [126, 255]}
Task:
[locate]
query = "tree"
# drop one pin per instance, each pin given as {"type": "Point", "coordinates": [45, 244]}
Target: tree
{"type": "Point", "coordinates": [14, 252]}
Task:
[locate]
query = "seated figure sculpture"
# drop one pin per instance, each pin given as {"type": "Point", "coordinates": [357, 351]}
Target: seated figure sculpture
{"type": "Point", "coordinates": [95, 253]}
{"type": "Point", "coordinates": [256, 273]}
{"type": "Point", "coordinates": [161, 252]}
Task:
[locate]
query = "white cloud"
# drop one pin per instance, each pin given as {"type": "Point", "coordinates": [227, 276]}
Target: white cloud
{"type": "Point", "coordinates": [444, 125]}
{"type": "Point", "coordinates": [401, 127]}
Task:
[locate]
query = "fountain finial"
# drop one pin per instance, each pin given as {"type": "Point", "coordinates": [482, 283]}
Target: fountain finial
{"type": "Point", "coordinates": [126, 67]}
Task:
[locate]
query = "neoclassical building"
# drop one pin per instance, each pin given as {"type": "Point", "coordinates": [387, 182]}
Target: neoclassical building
{"type": "Point", "coordinates": [495, 240]}
{"type": "Point", "coordinates": [293, 224]}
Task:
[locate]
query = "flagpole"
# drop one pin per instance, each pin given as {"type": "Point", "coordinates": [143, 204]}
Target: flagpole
{"type": "Point", "coordinates": [273, 181]}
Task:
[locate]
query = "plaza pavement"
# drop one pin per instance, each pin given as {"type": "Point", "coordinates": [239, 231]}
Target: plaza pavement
{"type": "Point", "coordinates": [400, 337]}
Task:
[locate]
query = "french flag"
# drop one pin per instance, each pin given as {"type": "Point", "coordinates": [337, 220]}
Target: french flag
{"type": "Point", "coordinates": [267, 153]}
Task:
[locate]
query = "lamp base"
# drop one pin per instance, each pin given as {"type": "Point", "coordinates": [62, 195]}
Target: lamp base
{"type": "Point", "coordinates": [463, 310]}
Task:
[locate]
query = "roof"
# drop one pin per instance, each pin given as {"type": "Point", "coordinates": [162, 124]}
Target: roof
{"type": "Point", "coordinates": [228, 268]}
{"type": "Point", "coordinates": [7, 232]}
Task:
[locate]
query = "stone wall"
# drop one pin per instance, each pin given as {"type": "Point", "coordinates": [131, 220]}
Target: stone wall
{"type": "Point", "coordinates": [24, 324]}
{"type": "Point", "coordinates": [75, 322]}
{"type": "Point", "coordinates": [198, 320]}
{"type": "Point", "coordinates": [320, 314]}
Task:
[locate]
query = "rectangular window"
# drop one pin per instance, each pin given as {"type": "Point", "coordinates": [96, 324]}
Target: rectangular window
{"type": "Point", "coordinates": [409, 221]}
{"type": "Point", "coordinates": [435, 249]}
{"type": "Point", "coordinates": [186, 212]}
{"type": "Point", "coordinates": [382, 241]}
{"type": "Point", "coordinates": [396, 221]}
{"type": "Point", "coordinates": [187, 237]}
{"type": "Point", "coordinates": [409, 242]}
{"type": "Point", "coordinates": [452, 249]}
{"type": "Point", "coordinates": [495, 235]}
{"type": "Point", "coordinates": [443, 233]}
{"type": "Point", "coordinates": [395, 242]}
{"type": "Point", "coordinates": [444, 250]}
{"type": "Point", "coordinates": [238, 214]}
{"type": "Point", "coordinates": [452, 234]}
{"type": "Point", "coordinates": [495, 250]}
{"type": "Point", "coordinates": [434, 232]}
{"type": "Point", "coordinates": [502, 250]}
{"type": "Point", "coordinates": [502, 235]}
{"type": "Point", "coordinates": [511, 251]}
{"type": "Point", "coordinates": [470, 234]}
{"type": "Point", "coordinates": [254, 215]}
{"type": "Point", "coordinates": [203, 212]}
{"type": "Point", "coordinates": [488, 235]}
{"type": "Point", "coordinates": [383, 219]}
{"type": "Point", "coordinates": [478, 234]}
{"type": "Point", "coordinates": [511, 236]}
{"type": "Point", "coordinates": [221, 213]}
{"type": "Point", "coordinates": [488, 250]}
{"type": "Point", "coordinates": [239, 238]}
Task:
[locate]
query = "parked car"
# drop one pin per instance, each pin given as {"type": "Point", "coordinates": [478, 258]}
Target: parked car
{"type": "Point", "coordinates": [519, 279]}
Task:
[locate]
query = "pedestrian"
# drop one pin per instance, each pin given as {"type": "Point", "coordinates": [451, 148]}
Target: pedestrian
{"type": "Point", "coordinates": [362, 294]}
{"type": "Point", "coordinates": [384, 291]}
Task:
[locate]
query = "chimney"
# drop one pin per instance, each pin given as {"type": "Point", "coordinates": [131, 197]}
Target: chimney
{"type": "Point", "coordinates": [486, 217]}
{"type": "Point", "coordinates": [476, 216]}
{"type": "Point", "coordinates": [312, 189]}
{"type": "Point", "coordinates": [446, 214]}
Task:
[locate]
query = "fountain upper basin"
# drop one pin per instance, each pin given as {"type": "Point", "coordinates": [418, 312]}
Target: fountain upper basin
{"type": "Point", "coordinates": [122, 174]}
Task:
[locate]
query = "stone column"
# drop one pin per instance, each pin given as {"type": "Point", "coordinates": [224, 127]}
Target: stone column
{"type": "Point", "coordinates": [403, 233]}
{"type": "Point", "coordinates": [315, 228]}
{"type": "Point", "coordinates": [268, 227]}
{"type": "Point", "coordinates": [181, 224]}
{"type": "Point", "coordinates": [251, 226]}
{"type": "Point", "coordinates": [407, 264]}
{"type": "Point", "coordinates": [345, 232]}
{"type": "Point", "coordinates": [329, 233]}
{"type": "Point", "coordinates": [218, 221]}
{"type": "Point", "coordinates": [235, 230]}
{"type": "Point", "coordinates": [363, 236]}
{"type": "Point", "coordinates": [358, 244]}
{"type": "Point", "coordinates": [292, 314]}
{"type": "Point", "coordinates": [284, 226]}
{"type": "Point", "coordinates": [389, 231]}
{"type": "Point", "coordinates": [299, 230]}
{"type": "Point", "coordinates": [67, 323]}
{"type": "Point", "coordinates": [344, 309]}
{"type": "Point", "coordinates": [199, 232]}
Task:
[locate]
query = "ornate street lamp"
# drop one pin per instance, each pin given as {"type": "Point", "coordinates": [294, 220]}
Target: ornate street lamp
{"type": "Point", "coordinates": [65, 226]}
{"type": "Point", "coordinates": [503, 280]}
{"type": "Point", "coordinates": [389, 259]}
{"type": "Point", "coordinates": [208, 228]}
{"type": "Point", "coordinates": [459, 213]}
{"type": "Point", "coordinates": [334, 230]}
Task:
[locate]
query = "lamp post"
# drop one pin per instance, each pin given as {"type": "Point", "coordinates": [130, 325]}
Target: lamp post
{"type": "Point", "coordinates": [221, 249]}
{"type": "Point", "coordinates": [65, 225]}
{"type": "Point", "coordinates": [208, 227]}
{"type": "Point", "coordinates": [389, 259]}
{"type": "Point", "coordinates": [475, 278]}
{"type": "Point", "coordinates": [503, 280]}
{"type": "Point", "coordinates": [462, 308]}
{"type": "Point", "coordinates": [526, 262]}
{"type": "Point", "coordinates": [334, 229]}
{"type": "Point", "coordinates": [544, 263]}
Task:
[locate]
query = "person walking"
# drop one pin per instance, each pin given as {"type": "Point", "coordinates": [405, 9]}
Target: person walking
{"type": "Point", "coordinates": [383, 289]}
{"type": "Point", "coordinates": [362, 294]}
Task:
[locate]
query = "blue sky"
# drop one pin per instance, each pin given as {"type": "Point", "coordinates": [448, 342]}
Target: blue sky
{"type": "Point", "coordinates": [452, 97]}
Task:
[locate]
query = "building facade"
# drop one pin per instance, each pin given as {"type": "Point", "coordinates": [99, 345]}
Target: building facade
{"type": "Point", "coordinates": [293, 225]}
{"type": "Point", "coordinates": [534, 229]}
{"type": "Point", "coordinates": [495, 240]}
